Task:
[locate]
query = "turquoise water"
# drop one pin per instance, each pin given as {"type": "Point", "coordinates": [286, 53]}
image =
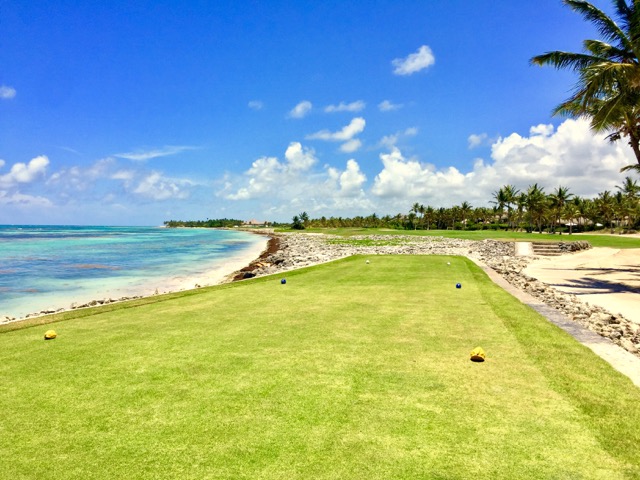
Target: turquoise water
{"type": "Point", "coordinates": [49, 267]}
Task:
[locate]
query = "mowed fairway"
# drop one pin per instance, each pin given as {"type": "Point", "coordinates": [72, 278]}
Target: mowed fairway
{"type": "Point", "coordinates": [350, 370]}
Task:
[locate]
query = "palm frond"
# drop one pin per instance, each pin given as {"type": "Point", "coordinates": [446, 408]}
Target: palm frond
{"type": "Point", "coordinates": [604, 50]}
{"type": "Point", "coordinates": [608, 114]}
{"type": "Point", "coordinates": [605, 25]}
{"type": "Point", "coordinates": [573, 61]}
{"type": "Point", "coordinates": [607, 91]}
{"type": "Point", "coordinates": [571, 108]}
{"type": "Point", "coordinates": [608, 78]}
{"type": "Point", "coordinates": [630, 16]}
{"type": "Point", "coordinates": [635, 167]}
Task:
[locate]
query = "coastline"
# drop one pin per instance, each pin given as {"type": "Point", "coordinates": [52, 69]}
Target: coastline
{"type": "Point", "coordinates": [290, 251]}
{"type": "Point", "coordinates": [210, 275]}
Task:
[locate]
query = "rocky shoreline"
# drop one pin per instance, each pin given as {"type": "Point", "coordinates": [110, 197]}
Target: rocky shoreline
{"type": "Point", "coordinates": [290, 251]}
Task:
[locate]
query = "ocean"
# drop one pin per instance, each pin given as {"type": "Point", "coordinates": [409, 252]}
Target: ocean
{"type": "Point", "coordinates": [51, 267]}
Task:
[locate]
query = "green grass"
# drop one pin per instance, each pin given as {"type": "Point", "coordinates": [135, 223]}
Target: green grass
{"type": "Point", "coordinates": [348, 371]}
{"type": "Point", "coordinates": [596, 240]}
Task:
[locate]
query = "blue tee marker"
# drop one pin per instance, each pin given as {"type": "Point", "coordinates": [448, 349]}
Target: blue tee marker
{"type": "Point", "coordinates": [458, 285]}
{"type": "Point", "coordinates": [283, 281]}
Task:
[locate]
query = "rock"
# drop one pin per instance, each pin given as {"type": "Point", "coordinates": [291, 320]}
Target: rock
{"type": "Point", "coordinates": [600, 318]}
{"type": "Point", "coordinates": [628, 345]}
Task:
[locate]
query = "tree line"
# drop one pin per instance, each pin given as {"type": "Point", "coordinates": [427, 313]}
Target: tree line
{"type": "Point", "coordinates": [208, 223]}
{"type": "Point", "coordinates": [530, 210]}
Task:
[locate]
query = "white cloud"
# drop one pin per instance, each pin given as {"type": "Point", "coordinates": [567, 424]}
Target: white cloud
{"type": "Point", "coordinates": [475, 140]}
{"type": "Point", "coordinates": [390, 141]}
{"type": "Point", "coordinates": [22, 200]}
{"type": "Point", "coordinates": [256, 105]}
{"type": "Point", "coordinates": [25, 172]}
{"type": "Point", "coordinates": [346, 135]}
{"type": "Point", "coordinates": [571, 156]}
{"type": "Point", "coordinates": [387, 106]}
{"type": "Point", "coordinates": [124, 175]}
{"type": "Point", "coordinates": [351, 146]}
{"type": "Point", "coordinates": [7, 93]}
{"type": "Point", "coordinates": [299, 158]}
{"type": "Point", "coordinates": [81, 178]}
{"type": "Point", "coordinates": [268, 176]}
{"type": "Point", "coordinates": [157, 187]}
{"type": "Point", "coordinates": [355, 127]}
{"type": "Point", "coordinates": [351, 180]}
{"type": "Point", "coordinates": [142, 156]}
{"type": "Point", "coordinates": [544, 130]}
{"type": "Point", "coordinates": [356, 106]}
{"type": "Point", "coordinates": [301, 109]}
{"type": "Point", "coordinates": [414, 62]}
{"type": "Point", "coordinates": [286, 187]}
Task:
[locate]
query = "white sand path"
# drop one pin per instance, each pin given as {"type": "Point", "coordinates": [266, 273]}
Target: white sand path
{"type": "Point", "coordinates": [606, 277]}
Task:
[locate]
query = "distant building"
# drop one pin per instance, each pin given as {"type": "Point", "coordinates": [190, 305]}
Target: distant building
{"type": "Point", "coordinates": [255, 223]}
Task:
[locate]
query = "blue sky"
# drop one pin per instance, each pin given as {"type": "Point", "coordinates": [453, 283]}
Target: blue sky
{"type": "Point", "coordinates": [132, 113]}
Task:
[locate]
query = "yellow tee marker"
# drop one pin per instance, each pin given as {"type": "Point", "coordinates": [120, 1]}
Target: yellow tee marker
{"type": "Point", "coordinates": [477, 355]}
{"type": "Point", "coordinates": [50, 335]}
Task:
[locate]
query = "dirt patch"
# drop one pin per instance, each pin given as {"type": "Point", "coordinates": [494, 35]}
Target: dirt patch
{"type": "Point", "coordinates": [273, 246]}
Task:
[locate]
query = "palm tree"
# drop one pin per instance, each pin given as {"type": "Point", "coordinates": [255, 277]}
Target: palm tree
{"type": "Point", "coordinates": [429, 213]}
{"type": "Point", "coordinates": [622, 209]}
{"type": "Point", "coordinates": [606, 207]}
{"type": "Point", "coordinates": [415, 209]}
{"type": "Point", "coordinates": [631, 191]}
{"type": "Point", "coordinates": [465, 210]}
{"type": "Point", "coordinates": [500, 200]}
{"type": "Point", "coordinates": [296, 223]}
{"type": "Point", "coordinates": [511, 195]}
{"type": "Point", "coordinates": [557, 201]}
{"type": "Point", "coordinates": [411, 221]}
{"type": "Point", "coordinates": [571, 212]}
{"type": "Point", "coordinates": [608, 88]}
{"type": "Point", "coordinates": [589, 210]}
{"type": "Point", "coordinates": [506, 197]}
{"type": "Point", "coordinates": [521, 205]}
{"type": "Point", "coordinates": [304, 218]}
{"type": "Point", "coordinates": [536, 203]}
{"type": "Point", "coordinates": [441, 218]}
{"type": "Point", "coordinates": [421, 210]}
{"type": "Point", "coordinates": [453, 214]}
{"type": "Point", "coordinates": [629, 188]}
